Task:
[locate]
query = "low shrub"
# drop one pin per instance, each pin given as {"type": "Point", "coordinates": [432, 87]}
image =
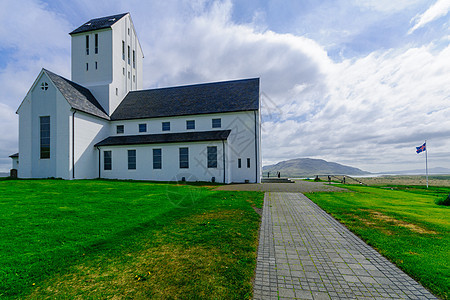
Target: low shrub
{"type": "Point", "coordinates": [443, 201]}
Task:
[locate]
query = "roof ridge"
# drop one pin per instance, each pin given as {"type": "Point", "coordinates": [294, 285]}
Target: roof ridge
{"type": "Point", "coordinates": [197, 84]}
{"type": "Point", "coordinates": [99, 23]}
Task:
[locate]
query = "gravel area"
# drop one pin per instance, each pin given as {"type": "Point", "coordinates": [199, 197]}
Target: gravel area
{"type": "Point", "coordinates": [297, 187]}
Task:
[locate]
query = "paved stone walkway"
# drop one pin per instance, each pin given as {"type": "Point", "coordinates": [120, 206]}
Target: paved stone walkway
{"type": "Point", "coordinates": [306, 254]}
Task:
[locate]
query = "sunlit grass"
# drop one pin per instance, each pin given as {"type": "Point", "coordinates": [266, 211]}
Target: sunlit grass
{"type": "Point", "coordinates": [99, 239]}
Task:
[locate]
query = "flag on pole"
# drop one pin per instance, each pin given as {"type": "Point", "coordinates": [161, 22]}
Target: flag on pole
{"type": "Point", "coordinates": [422, 148]}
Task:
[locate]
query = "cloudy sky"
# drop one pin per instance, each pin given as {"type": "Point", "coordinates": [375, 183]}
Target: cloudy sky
{"type": "Point", "coordinates": [358, 82]}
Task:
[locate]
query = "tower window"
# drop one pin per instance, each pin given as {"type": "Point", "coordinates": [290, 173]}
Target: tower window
{"type": "Point", "coordinates": [96, 43]}
{"type": "Point", "coordinates": [134, 59]}
{"type": "Point", "coordinates": [123, 71]}
{"type": "Point", "coordinates": [87, 45]}
{"type": "Point", "coordinates": [128, 74]}
{"type": "Point", "coordinates": [128, 31]}
{"type": "Point", "coordinates": [96, 65]}
{"type": "Point", "coordinates": [129, 60]}
{"type": "Point", "coordinates": [117, 92]}
{"type": "Point", "coordinates": [87, 66]}
{"type": "Point", "coordinates": [123, 50]}
{"type": "Point", "coordinates": [134, 78]}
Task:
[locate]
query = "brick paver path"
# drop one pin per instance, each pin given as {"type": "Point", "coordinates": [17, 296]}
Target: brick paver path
{"type": "Point", "coordinates": [306, 254]}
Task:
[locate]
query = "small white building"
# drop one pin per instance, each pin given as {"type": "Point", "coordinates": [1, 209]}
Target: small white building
{"type": "Point", "coordinates": [101, 124]}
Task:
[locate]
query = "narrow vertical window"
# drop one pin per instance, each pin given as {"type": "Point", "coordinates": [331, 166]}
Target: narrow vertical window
{"type": "Point", "coordinates": [134, 78]}
{"type": "Point", "coordinates": [123, 71]}
{"type": "Point", "coordinates": [239, 163]}
{"type": "Point", "coordinates": [128, 74]}
{"type": "Point", "coordinates": [96, 43]}
{"type": "Point", "coordinates": [96, 65]}
{"type": "Point", "coordinates": [45, 136]}
{"type": "Point", "coordinates": [120, 129]}
{"type": "Point", "coordinates": [87, 45]}
{"type": "Point", "coordinates": [129, 60]}
{"type": "Point", "coordinates": [212, 157]}
{"type": "Point", "coordinates": [107, 160]}
{"type": "Point", "coordinates": [216, 123]}
{"type": "Point", "coordinates": [184, 158]}
{"type": "Point", "coordinates": [165, 126]}
{"type": "Point", "coordinates": [157, 159]}
{"type": "Point", "coordinates": [123, 50]}
{"type": "Point", "coordinates": [248, 162]}
{"type": "Point", "coordinates": [87, 67]}
{"type": "Point", "coordinates": [131, 159]}
{"type": "Point", "coordinates": [142, 127]}
{"type": "Point", "coordinates": [128, 31]}
{"type": "Point", "coordinates": [134, 59]}
{"type": "Point", "coordinates": [117, 91]}
{"type": "Point", "coordinates": [190, 124]}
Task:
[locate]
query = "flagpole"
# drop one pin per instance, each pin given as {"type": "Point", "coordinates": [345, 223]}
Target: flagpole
{"type": "Point", "coordinates": [426, 160]}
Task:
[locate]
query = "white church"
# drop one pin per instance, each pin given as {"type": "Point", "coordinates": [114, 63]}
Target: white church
{"type": "Point", "coordinates": [102, 124]}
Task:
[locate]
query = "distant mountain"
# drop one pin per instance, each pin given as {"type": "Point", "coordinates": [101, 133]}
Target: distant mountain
{"type": "Point", "coordinates": [308, 167]}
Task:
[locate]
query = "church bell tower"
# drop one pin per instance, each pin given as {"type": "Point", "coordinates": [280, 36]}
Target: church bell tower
{"type": "Point", "coordinates": [107, 59]}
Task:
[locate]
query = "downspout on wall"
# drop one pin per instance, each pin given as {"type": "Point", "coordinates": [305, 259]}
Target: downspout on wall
{"type": "Point", "coordinates": [73, 144]}
{"type": "Point", "coordinates": [223, 158]}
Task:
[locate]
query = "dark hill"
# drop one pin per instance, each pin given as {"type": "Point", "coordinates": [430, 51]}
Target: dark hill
{"type": "Point", "coordinates": [308, 167]}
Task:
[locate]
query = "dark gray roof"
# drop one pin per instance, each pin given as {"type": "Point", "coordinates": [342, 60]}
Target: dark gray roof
{"type": "Point", "coordinates": [79, 98]}
{"type": "Point", "coordinates": [99, 23]}
{"type": "Point", "coordinates": [217, 97]}
{"type": "Point", "coordinates": [194, 136]}
{"type": "Point", "coordinates": [14, 155]}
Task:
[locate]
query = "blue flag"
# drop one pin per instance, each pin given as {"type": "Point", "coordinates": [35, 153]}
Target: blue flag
{"type": "Point", "coordinates": [422, 148]}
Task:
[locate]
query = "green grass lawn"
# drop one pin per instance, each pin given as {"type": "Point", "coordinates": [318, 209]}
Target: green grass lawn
{"type": "Point", "coordinates": [402, 223]}
{"type": "Point", "coordinates": [96, 239]}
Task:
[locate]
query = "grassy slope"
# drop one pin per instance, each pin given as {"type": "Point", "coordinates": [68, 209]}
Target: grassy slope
{"type": "Point", "coordinates": [405, 226]}
{"type": "Point", "coordinates": [97, 239]}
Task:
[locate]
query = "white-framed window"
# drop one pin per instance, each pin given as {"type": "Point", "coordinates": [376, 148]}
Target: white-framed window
{"type": "Point", "coordinates": [239, 163]}
{"type": "Point", "coordinates": [190, 124]}
{"type": "Point", "coordinates": [129, 55]}
{"type": "Point", "coordinates": [120, 129]}
{"type": "Point", "coordinates": [212, 156]}
{"type": "Point", "coordinates": [107, 160]}
{"type": "Point", "coordinates": [44, 86]}
{"type": "Point", "coordinates": [157, 158]}
{"type": "Point", "coordinates": [134, 59]}
{"type": "Point", "coordinates": [87, 45]}
{"type": "Point", "coordinates": [248, 162]}
{"type": "Point", "coordinates": [96, 43]}
{"type": "Point", "coordinates": [143, 127]}
{"type": "Point", "coordinates": [131, 159]}
{"type": "Point", "coordinates": [216, 123]}
{"type": "Point", "coordinates": [96, 65]}
{"type": "Point", "coordinates": [184, 157]}
{"type": "Point", "coordinates": [45, 136]}
{"type": "Point", "coordinates": [165, 126]}
{"type": "Point", "coordinates": [123, 51]}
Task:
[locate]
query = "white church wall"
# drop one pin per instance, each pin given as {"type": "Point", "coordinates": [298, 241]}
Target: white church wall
{"type": "Point", "coordinates": [24, 111]}
{"type": "Point", "coordinates": [89, 130]}
{"type": "Point", "coordinates": [62, 138]}
{"type": "Point", "coordinates": [170, 170]}
{"type": "Point", "coordinates": [241, 142]}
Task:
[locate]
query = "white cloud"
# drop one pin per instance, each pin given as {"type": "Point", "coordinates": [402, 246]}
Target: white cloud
{"type": "Point", "coordinates": [439, 9]}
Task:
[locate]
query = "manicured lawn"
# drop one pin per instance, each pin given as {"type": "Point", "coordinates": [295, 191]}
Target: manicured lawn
{"type": "Point", "coordinates": [97, 239]}
{"type": "Point", "coordinates": [402, 223]}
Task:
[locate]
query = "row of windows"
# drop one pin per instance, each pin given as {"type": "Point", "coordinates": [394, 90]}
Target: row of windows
{"type": "Point", "coordinates": [165, 126]}
{"type": "Point", "coordinates": [95, 44]}
{"type": "Point", "coordinates": [157, 158]}
{"type": "Point", "coordinates": [128, 54]}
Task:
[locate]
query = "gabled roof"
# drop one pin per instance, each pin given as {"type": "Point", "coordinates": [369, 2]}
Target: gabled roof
{"type": "Point", "coordinates": [99, 23]}
{"type": "Point", "coordinates": [79, 97]}
{"type": "Point", "coordinates": [217, 97]}
{"type": "Point", "coordinates": [194, 136]}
